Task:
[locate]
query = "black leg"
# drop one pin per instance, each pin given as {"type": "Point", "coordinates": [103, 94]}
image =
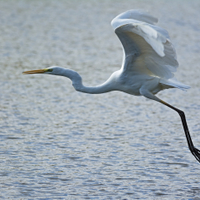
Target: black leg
{"type": "Point", "coordinates": [194, 151]}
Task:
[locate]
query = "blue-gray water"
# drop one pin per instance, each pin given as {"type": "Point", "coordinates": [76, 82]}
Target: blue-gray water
{"type": "Point", "coordinates": [57, 143]}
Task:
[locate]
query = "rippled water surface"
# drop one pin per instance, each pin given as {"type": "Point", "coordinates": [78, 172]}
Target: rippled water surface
{"type": "Point", "coordinates": [57, 143]}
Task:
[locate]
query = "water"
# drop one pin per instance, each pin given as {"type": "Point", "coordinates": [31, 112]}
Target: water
{"type": "Point", "coordinates": [57, 143]}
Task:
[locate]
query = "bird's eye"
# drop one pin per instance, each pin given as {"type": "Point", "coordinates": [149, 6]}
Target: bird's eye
{"type": "Point", "coordinates": [49, 70]}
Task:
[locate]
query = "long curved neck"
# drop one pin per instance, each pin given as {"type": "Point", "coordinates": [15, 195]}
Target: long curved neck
{"type": "Point", "coordinates": [103, 88]}
{"type": "Point", "coordinates": [77, 82]}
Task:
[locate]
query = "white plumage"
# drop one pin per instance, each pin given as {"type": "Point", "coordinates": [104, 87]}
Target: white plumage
{"type": "Point", "coordinates": [148, 66]}
{"type": "Point", "coordinates": [149, 53]}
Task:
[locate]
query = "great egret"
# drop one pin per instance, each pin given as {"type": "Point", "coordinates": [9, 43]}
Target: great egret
{"type": "Point", "coordinates": [148, 66]}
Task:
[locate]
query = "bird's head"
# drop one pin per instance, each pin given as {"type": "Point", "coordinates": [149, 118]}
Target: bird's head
{"type": "Point", "coordinates": [54, 70]}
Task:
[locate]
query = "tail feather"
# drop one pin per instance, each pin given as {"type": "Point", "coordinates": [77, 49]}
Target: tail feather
{"type": "Point", "coordinates": [174, 83]}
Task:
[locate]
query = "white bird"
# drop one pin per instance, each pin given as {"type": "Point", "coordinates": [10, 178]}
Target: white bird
{"type": "Point", "coordinates": [148, 65]}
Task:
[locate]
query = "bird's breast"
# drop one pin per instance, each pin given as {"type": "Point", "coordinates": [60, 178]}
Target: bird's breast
{"type": "Point", "coordinates": [131, 84]}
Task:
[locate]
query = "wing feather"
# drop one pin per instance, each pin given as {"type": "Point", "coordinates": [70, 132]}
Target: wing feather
{"type": "Point", "coordinates": [147, 44]}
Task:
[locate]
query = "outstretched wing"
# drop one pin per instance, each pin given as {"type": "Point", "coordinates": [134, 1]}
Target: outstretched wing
{"type": "Point", "coordinates": [147, 46]}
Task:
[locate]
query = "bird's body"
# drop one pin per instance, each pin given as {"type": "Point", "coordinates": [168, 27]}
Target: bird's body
{"type": "Point", "coordinates": [149, 57]}
{"type": "Point", "coordinates": [148, 65]}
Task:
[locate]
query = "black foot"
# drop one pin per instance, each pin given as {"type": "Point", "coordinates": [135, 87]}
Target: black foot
{"type": "Point", "coordinates": [196, 153]}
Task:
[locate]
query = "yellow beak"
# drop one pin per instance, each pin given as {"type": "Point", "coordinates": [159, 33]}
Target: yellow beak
{"type": "Point", "coordinates": [37, 71]}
